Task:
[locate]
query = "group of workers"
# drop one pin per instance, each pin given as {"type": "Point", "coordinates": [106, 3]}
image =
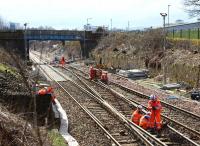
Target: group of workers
{"type": "Point", "coordinates": [151, 120]}
{"type": "Point", "coordinates": [98, 73]}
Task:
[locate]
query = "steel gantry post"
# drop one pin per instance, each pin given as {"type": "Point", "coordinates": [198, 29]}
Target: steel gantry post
{"type": "Point", "coordinates": [25, 41]}
{"type": "Point", "coordinates": [168, 14]}
{"type": "Point", "coordinates": [164, 47]}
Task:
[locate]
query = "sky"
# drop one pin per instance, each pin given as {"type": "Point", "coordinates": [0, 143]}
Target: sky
{"type": "Point", "coordinates": [73, 14]}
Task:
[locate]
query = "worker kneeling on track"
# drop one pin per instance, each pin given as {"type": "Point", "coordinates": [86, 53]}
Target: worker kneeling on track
{"type": "Point", "coordinates": [137, 114]}
{"type": "Point", "coordinates": [145, 121]}
{"type": "Point", "coordinates": [155, 107]}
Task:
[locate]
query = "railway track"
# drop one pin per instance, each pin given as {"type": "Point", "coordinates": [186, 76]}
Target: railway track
{"type": "Point", "coordinates": [134, 130]}
{"type": "Point", "coordinates": [193, 134]}
{"type": "Point", "coordinates": [188, 121]}
{"type": "Point", "coordinates": [120, 133]}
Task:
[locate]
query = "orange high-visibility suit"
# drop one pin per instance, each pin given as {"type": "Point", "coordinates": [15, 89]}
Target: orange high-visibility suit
{"type": "Point", "coordinates": [155, 107]}
{"type": "Point", "coordinates": [145, 122]}
{"type": "Point", "coordinates": [53, 97]}
{"type": "Point", "coordinates": [62, 61]}
{"type": "Point", "coordinates": [135, 118]}
{"type": "Point", "coordinates": [92, 72]}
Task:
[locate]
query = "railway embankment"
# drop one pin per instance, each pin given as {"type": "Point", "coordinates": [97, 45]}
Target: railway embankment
{"type": "Point", "coordinates": [17, 111]}
{"type": "Point", "coordinates": [145, 50]}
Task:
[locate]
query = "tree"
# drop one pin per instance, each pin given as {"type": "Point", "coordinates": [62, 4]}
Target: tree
{"type": "Point", "coordinates": [1, 23]}
{"type": "Point", "coordinates": [100, 29]}
{"type": "Point", "coordinates": [193, 7]}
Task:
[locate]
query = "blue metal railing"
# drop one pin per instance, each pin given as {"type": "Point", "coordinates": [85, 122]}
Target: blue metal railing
{"type": "Point", "coordinates": [53, 37]}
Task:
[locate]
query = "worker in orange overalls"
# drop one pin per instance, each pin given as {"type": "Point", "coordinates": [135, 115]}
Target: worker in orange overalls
{"type": "Point", "coordinates": [155, 107]}
{"type": "Point", "coordinates": [145, 121]}
{"type": "Point", "coordinates": [62, 61]}
{"type": "Point", "coordinates": [47, 90]}
{"type": "Point", "coordinates": [137, 114]}
{"type": "Point", "coordinates": [92, 72]}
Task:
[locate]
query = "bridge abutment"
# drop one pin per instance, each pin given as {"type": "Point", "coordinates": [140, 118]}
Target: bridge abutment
{"type": "Point", "coordinates": [27, 49]}
{"type": "Point", "coordinates": [14, 46]}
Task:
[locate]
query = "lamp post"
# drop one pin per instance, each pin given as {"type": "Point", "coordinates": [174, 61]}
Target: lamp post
{"type": "Point", "coordinates": [164, 44]}
{"type": "Point", "coordinates": [87, 20]}
{"type": "Point", "coordinates": [128, 26]}
{"type": "Point", "coordinates": [84, 36]}
{"type": "Point", "coordinates": [83, 54]}
{"type": "Point", "coordinates": [25, 45]}
{"type": "Point", "coordinates": [168, 14]}
{"type": "Point", "coordinates": [25, 24]}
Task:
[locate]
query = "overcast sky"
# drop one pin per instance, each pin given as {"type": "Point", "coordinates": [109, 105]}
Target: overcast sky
{"type": "Point", "coordinates": [62, 14]}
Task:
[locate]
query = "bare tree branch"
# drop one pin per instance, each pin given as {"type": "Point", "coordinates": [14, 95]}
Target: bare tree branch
{"type": "Point", "coordinates": [192, 7]}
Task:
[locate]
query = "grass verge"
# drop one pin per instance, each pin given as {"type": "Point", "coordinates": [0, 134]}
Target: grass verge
{"type": "Point", "coordinates": [4, 67]}
{"type": "Point", "coordinates": [56, 138]}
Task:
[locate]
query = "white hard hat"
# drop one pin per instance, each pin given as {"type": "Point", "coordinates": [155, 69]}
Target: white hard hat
{"type": "Point", "coordinates": [139, 106]}
{"type": "Point", "coordinates": [148, 113]}
{"type": "Point", "coordinates": [153, 97]}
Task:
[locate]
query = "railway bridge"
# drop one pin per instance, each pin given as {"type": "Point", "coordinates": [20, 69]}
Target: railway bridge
{"type": "Point", "coordinates": [19, 40]}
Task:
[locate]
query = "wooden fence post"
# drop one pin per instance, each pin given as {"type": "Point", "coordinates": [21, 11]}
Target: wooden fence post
{"type": "Point", "coordinates": [181, 33]}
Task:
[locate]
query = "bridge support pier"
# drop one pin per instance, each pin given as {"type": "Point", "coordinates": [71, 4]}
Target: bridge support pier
{"type": "Point", "coordinates": [87, 47]}
{"type": "Point", "coordinates": [27, 50]}
{"type": "Point", "coordinates": [63, 43]}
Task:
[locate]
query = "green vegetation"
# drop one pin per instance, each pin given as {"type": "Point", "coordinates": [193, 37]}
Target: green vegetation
{"type": "Point", "coordinates": [56, 138]}
{"type": "Point", "coordinates": [4, 67]}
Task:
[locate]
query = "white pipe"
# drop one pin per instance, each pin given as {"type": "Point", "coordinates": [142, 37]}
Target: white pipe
{"type": "Point", "coordinates": [57, 108]}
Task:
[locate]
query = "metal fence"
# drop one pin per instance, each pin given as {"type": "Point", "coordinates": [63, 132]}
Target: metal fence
{"type": "Point", "coordinates": [185, 34]}
{"type": "Point", "coordinates": [184, 31]}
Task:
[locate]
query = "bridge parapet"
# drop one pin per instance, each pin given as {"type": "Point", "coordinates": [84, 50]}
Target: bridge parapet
{"type": "Point", "coordinates": [49, 35]}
